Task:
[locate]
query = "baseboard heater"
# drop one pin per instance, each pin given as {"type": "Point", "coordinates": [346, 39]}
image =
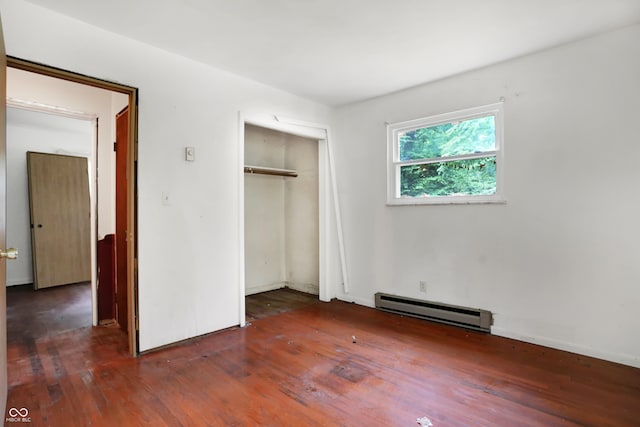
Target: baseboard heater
{"type": "Point", "coordinates": [471, 318]}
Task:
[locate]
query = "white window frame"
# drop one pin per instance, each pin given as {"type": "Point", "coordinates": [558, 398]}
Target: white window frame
{"type": "Point", "coordinates": [394, 163]}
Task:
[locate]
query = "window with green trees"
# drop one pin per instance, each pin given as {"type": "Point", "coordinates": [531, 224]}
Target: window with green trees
{"type": "Point", "coordinates": [449, 158]}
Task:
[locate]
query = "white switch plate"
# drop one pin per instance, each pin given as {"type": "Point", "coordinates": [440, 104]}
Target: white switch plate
{"type": "Point", "coordinates": [189, 154]}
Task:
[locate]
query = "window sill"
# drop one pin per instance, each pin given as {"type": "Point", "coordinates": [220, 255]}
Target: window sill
{"type": "Point", "coordinates": [462, 200]}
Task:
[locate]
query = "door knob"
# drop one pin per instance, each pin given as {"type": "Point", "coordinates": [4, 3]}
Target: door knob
{"type": "Point", "coordinates": [11, 253]}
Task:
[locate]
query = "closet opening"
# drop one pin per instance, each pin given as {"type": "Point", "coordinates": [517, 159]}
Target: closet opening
{"type": "Point", "coordinates": [281, 221]}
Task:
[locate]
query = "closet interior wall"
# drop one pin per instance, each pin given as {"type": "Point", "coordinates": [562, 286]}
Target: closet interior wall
{"type": "Point", "coordinates": [281, 213]}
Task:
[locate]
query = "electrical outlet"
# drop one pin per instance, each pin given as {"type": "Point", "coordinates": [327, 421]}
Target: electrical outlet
{"type": "Point", "coordinates": [423, 286]}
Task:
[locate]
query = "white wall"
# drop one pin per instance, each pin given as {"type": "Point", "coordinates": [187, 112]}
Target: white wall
{"type": "Point", "coordinates": [302, 215]}
{"type": "Point", "coordinates": [558, 264]}
{"type": "Point", "coordinates": [281, 214]}
{"type": "Point", "coordinates": [43, 133]}
{"type": "Point", "coordinates": [189, 254]}
{"type": "Point", "coordinates": [264, 218]}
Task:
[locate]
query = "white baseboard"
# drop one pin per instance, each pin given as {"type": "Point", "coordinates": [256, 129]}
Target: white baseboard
{"type": "Point", "coordinates": [308, 288]}
{"type": "Point", "coordinates": [624, 359]}
{"type": "Point", "coordinates": [264, 288]}
{"type": "Point", "coordinates": [360, 301]}
{"type": "Point", "coordinates": [21, 281]}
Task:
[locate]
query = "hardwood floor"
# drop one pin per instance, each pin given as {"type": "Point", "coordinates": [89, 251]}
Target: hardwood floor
{"type": "Point", "coordinates": [36, 314]}
{"type": "Point", "coordinates": [266, 304]}
{"type": "Point", "coordinates": [301, 368]}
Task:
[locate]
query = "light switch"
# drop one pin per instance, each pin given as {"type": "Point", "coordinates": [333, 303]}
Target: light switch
{"type": "Point", "coordinates": [189, 154]}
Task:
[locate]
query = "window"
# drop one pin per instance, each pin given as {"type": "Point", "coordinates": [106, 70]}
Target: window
{"type": "Point", "coordinates": [449, 158]}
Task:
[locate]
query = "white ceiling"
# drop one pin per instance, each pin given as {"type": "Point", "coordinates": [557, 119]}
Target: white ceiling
{"type": "Point", "coordinates": [342, 51]}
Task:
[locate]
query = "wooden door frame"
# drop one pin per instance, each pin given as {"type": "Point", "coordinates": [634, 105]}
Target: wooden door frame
{"type": "Point", "coordinates": [122, 141]}
{"type": "Point", "coordinates": [132, 154]}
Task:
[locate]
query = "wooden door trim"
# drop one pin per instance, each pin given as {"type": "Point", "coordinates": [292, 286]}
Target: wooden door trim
{"type": "Point", "coordinates": [132, 155]}
{"type": "Point", "coordinates": [121, 202]}
{"type": "Point", "coordinates": [59, 73]}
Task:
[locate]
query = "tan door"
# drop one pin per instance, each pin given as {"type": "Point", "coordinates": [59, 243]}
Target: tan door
{"type": "Point", "coordinates": [3, 211]}
{"type": "Point", "coordinates": [60, 219]}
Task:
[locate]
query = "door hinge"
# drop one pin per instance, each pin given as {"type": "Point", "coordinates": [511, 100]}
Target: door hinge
{"type": "Point", "coordinates": [137, 323]}
{"type": "Point", "coordinates": [115, 146]}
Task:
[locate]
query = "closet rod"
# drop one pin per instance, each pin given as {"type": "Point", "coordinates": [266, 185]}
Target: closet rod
{"type": "Point", "coordinates": [270, 171]}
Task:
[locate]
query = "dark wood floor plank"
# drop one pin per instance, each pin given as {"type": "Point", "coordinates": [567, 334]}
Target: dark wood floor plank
{"type": "Point", "coordinates": [266, 304]}
{"type": "Point", "coordinates": [297, 365]}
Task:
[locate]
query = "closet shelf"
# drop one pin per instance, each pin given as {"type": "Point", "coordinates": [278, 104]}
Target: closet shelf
{"type": "Point", "coordinates": [270, 171]}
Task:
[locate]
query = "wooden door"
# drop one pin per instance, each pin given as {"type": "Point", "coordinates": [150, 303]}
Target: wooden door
{"type": "Point", "coordinates": [121, 147]}
{"type": "Point", "coordinates": [3, 211]}
{"type": "Point", "coordinates": [60, 219]}
{"type": "Point", "coordinates": [106, 279]}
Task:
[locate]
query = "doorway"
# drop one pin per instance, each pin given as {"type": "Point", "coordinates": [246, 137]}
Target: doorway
{"type": "Point", "coordinates": [331, 265]}
{"type": "Point", "coordinates": [39, 131]}
{"type": "Point", "coordinates": [281, 215]}
{"type": "Point", "coordinates": [130, 94]}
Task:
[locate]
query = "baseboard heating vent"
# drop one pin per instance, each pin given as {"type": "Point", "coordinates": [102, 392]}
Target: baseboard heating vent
{"type": "Point", "coordinates": [470, 318]}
